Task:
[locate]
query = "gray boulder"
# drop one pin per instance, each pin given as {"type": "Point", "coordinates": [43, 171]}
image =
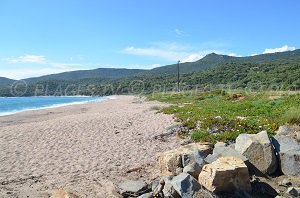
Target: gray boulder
{"type": "Point", "coordinates": [186, 185]}
{"type": "Point", "coordinates": [289, 154]}
{"type": "Point", "coordinates": [193, 169]}
{"type": "Point", "coordinates": [291, 131]}
{"type": "Point", "coordinates": [168, 190]}
{"type": "Point", "coordinates": [221, 150]}
{"type": "Point", "coordinates": [133, 188]}
{"type": "Point", "coordinates": [258, 149]}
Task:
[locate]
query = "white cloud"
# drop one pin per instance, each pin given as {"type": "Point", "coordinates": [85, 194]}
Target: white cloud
{"type": "Point", "coordinates": [280, 49]}
{"type": "Point", "coordinates": [155, 65]}
{"type": "Point", "coordinates": [192, 58]}
{"type": "Point", "coordinates": [153, 52]}
{"type": "Point", "coordinates": [18, 74]}
{"type": "Point", "coordinates": [28, 59]}
{"type": "Point", "coordinates": [170, 52]}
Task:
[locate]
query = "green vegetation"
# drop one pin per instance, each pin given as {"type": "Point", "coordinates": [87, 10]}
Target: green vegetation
{"type": "Point", "coordinates": [222, 116]}
{"type": "Point", "coordinates": [278, 71]}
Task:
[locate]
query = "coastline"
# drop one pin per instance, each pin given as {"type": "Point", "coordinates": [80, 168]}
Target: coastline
{"type": "Point", "coordinates": [55, 105]}
{"type": "Point", "coordinates": [83, 148]}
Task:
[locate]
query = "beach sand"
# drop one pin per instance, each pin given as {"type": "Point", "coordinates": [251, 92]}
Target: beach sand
{"type": "Point", "coordinates": [83, 149]}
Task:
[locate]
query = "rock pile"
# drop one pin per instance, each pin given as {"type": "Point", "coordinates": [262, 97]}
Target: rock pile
{"type": "Point", "coordinates": [205, 170]}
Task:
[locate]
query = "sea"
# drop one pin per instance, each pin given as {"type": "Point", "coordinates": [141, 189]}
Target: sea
{"type": "Point", "coordinates": [12, 105]}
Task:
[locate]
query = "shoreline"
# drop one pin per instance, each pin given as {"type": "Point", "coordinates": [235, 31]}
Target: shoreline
{"type": "Point", "coordinates": [82, 148]}
{"type": "Point", "coordinates": [102, 98]}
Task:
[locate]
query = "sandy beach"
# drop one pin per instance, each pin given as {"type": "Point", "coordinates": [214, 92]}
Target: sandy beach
{"type": "Point", "coordinates": [81, 148]}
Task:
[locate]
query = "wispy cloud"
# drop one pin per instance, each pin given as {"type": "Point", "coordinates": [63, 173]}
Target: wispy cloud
{"type": "Point", "coordinates": [179, 33]}
{"type": "Point", "coordinates": [170, 52]}
{"type": "Point", "coordinates": [153, 52]}
{"type": "Point", "coordinates": [28, 59]}
{"type": "Point", "coordinates": [280, 49]}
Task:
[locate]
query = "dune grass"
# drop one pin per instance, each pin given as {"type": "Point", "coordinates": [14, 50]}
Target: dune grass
{"type": "Point", "coordinates": [222, 115]}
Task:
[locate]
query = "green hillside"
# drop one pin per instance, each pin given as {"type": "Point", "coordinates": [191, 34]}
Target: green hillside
{"type": "Point", "coordinates": [102, 73]}
{"type": "Point", "coordinates": [278, 71]}
{"type": "Point", "coordinates": [5, 81]}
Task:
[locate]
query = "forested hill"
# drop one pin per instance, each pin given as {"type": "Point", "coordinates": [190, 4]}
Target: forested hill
{"type": "Point", "coordinates": [5, 81]}
{"type": "Point", "coordinates": [102, 73]}
{"type": "Point", "coordinates": [212, 60]}
{"type": "Point", "coordinates": [266, 71]}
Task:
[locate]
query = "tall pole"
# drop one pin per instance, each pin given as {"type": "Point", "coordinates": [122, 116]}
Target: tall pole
{"type": "Point", "coordinates": [178, 76]}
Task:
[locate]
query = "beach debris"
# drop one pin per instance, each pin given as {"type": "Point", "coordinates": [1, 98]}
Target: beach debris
{"type": "Point", "coordinates": [258, 149]}
{"type": "Point", "coordinates": [226, 174]}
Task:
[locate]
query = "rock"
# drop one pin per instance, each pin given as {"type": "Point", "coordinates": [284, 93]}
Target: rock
{"type": "Point", "coordinates": [185, 185]}
{"type": "Point", "coordinates": [147, 195]}
{"type": "Point", "coordinates": [178, 170]}
{"type": "Point", "coordinates": [193, 169]}
{"type": "Point", "coordinates": [220, 144]}
{"type": "Point", "coordinates": [169, 190]}
{"type": "Point", "coordinates": [290, 131]}
{"type": "Point", "coordinates": [63, 194]}
{"type": "Point", "coordinates": [170, 160]}
{"type": "Point", "coordinates": [226, 174]}
{"type": "Point", "coordinates": [285, 183]}
{"type": "Point", "coordinates": [133, 188]}
{"type": "Point", "coordinates": [199, 157]}
{"type": "Point", "coordinates": [186, 159]}
{"type": "Point", "coordinates": [222, 150]}
{"type": "Point", "coordinates": [289, 154]}
{"type": "Point", "coordinates": [293, 191]}
{"type": "Point", "coordinates": [258, 149]}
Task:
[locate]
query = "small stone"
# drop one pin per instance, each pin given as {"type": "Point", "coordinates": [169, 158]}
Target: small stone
{"type": "Point", "coordinates": [132, 187]}
{"type": "Point", "coordinates": [285, 182]}
{"type": "Point", "coordinates": [147, 195]}
{"type": "Point", "coordinates": [293, 191]}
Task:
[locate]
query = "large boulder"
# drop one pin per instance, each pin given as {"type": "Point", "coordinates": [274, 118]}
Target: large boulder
{"type": "Point", "coordinates": [221, 150]}
{"type": "Point", "coordinates": [258, 149]}
{"type": "Point", "coordinates": [290, 131]}
{"type": "Point", "coordinates": [289, 154]}
{"type": "Point", "coordinates": [133, 188]}
{"type": "Point", "coordinates": [169, 161]}
{"type": "Point", "coordinates": [226, 174]}
{"type": "Point", "coordinates": [185, 185]}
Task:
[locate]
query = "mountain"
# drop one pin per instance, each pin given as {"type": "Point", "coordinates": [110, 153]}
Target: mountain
{"type": "Point", "coordinates": [212, 60]}
{"type": "Point", "coordinates": [101, 73]}
{"type": "Point", "coordinates": [207, 62]}
{"type": "Point", "coordinates": [6, 81]}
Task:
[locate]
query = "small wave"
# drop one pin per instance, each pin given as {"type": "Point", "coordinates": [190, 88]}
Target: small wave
{"type": "Point", "coordinates": [6, 113]}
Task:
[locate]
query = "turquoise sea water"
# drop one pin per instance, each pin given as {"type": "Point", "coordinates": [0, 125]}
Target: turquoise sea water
{"type": "Point", "coordinates": [18, 104]}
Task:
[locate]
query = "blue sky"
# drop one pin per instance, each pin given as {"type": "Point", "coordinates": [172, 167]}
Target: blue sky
{"type": "Point", "coordinates": [39, 37]}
